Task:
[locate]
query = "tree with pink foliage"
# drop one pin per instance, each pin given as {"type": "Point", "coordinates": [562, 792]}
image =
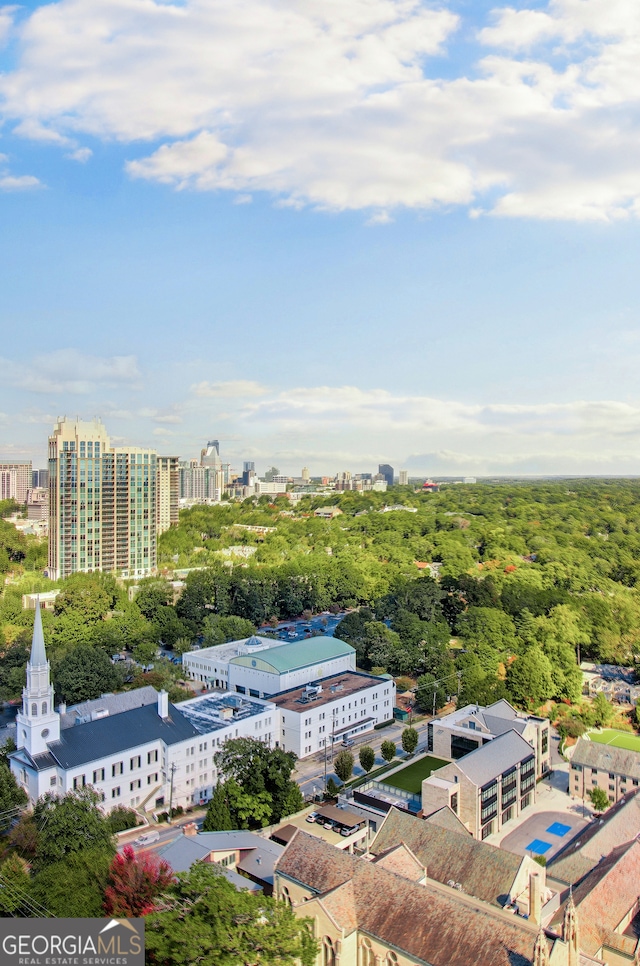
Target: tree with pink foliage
{"type": "Point", "coordinates": [135, 881]}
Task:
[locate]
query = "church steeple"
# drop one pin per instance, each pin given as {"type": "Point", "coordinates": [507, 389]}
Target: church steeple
{"type": "Point", "coordinates": [37, 723]}
{"type": "Point", "coordinates": [570, 931]}
{"type": "Point", "coordinates": [38, 656]}
{"type": "Point", "coordinates": [541, 950]}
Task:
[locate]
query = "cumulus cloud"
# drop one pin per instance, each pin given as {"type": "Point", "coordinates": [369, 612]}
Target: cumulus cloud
{"type": "Point", "coordinates": [338, 104]}
{"type": "Point", "coordinates": [70, 371]}
{"type": "Point", "coordinates": [22, 182]}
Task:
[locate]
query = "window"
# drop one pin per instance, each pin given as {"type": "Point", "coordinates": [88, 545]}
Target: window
{"type": "Point", "coordinates": [44, 707]}
{"type": "Point", "coordinates": [134, 784]}
{"type": "Point", "coordinates": [98, 775]}
{"type": "Point", "coordinates": [79, 782]}
{"type": "Point", "coordinates": [116, 769]}
{"type": "Point", "coordinates": [135, 762]}
{"type": "Point", "coordinates": [34, 710]}
{"type": "Point", "coordinates": [328, 952]}
{"type": "Point", "coordinates": [115, 792]}
{"type": "Point", "coordinates": [152, 778]}
{"type": "Point", "coordinates": [52, 781]}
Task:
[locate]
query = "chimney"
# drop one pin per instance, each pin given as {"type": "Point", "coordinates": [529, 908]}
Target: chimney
{"type": "Point", "coordinates": [535, 898]}
{"type": "Point", "coordinates": [163, 704]}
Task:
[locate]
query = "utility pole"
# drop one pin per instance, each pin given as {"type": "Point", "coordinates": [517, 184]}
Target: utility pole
{"type": "Point", "coordinates": [325, 762]}
{"type": "Point", "coordinates": [173, 770]}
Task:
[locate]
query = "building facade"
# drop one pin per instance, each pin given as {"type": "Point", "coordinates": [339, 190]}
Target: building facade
{"type": "Point", "coordinates": [465, 729]}
{"type": "Point", "coordinates": [147, 757]}
{"type": "Point", "coordinates": [102, 503]}
{"type": "Point", "coordinates": [15, 480]}
{"type": "Point", "coordinates": [342, 706]}
{"type": "Point", "coordinates": [167, 493]}
{"type": "Point", "coordinates": [487, 787]}
{"type": "Point", "coordinates": [593, 765]}
{"type": "Point", "coordinates": [386, 472]}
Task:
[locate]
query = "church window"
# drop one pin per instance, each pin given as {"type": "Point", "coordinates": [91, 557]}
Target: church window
{"type": "Point", "coordinates": [34, 710]}
{"type": "Point", "coordinates": [44, 707]}
{"type": "Point", "coordinates": [392, 959]}
{"type": "Point", "coordinates": [44, 733]}
{"type": "Point", "coordinates": [328, 952]}
{"type": "Point", "coordinates": [367, 955]}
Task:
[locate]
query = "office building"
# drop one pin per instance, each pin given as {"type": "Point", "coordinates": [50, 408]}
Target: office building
{"type": "Point", "coordinates": [15, 480]}
{"type": "Point", "coordinates": [40, 479]}
{"type": "Point", "coordinates": [167, 493]}
{"type": "Point", "coordinates": [332, 709]}
{"type": "Point", "coordinates": [102, 503]}
{"type": "Point", "coordinates": [305, 475]}
{"type": "Point", "coordinates": [404, 478]}
{"type": "Point", "coordinates": [386, 472]}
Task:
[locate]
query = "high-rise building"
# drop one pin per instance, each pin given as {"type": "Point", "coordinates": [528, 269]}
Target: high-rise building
{"type": "Point", "coordinates": [248, 472]}
{"type": "Point", "coordinates": [386, 472]}
{"type": "Point", "coordinates": [404, 478]}
{"type": "Point", "coordinates": [167, 493]}
{"type": "Point", "coordinates": [305, 474]}
{"type": "Point", "coordinates": [15, 480]}
{"type": "Point", "coordinates": [102, 503]}
{"type": "Point", "coordinates": [39, 478]}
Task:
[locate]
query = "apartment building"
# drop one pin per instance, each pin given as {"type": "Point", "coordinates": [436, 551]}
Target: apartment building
{"type": "Point", "coordinates": [15, 480]}
{"type": "Point", "coordinates": [167, 493]}
{"type": "Point", "coordinates": [102, 503]}
{"type": "Point", "coordinates": [594, 765]}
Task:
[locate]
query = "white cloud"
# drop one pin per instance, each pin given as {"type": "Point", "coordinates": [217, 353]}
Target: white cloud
{"type": "Point", "coordinates": [81, 154]}
{"type": "Point", "coordinates": [22, 182]}
{"type": "Point", "coordinates": [237, 388]}
{"type": "Point", "coordinates": [335, 103]}
{"type": "Point", "coordinates": [70, 371]}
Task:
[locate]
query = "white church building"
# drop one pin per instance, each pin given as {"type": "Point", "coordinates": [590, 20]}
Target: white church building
{"type": "Point", "coordinates": [144, 756]}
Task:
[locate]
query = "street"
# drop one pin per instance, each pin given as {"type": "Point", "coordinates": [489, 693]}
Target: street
{"type": "Point", "coordinates": [310, 772]}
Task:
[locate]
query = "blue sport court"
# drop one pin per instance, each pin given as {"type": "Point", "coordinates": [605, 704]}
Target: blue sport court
{"type": "Point", "coordinates": [558, 829]}
{"type": "Point", "coordinates": [538, 846]}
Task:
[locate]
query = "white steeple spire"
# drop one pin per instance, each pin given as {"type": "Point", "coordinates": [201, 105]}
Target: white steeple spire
{"type": "Point", "coordinates": [38, 656]}
{"type": "Point", "coordinates": [37, 723]}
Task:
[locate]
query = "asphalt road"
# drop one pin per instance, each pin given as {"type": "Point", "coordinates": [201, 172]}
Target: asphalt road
{"type": "Point", "coordinates": [310, 772]}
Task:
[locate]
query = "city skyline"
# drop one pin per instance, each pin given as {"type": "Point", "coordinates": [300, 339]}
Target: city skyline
{"type": "Point", "coordinates": [394, 232]}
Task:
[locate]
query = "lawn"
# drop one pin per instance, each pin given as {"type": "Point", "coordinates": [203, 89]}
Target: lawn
{"type": "Point", "coordinates": [619, 739]}
{"type": "Point", "coordinates": [410, 778]}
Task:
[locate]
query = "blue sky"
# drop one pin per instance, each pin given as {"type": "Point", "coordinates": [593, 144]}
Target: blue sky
{"type": "Point", "coordinates": [328, 232]}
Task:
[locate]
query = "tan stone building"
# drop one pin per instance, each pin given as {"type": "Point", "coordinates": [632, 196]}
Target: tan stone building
{"type": "Point", "coordinates": [389, 912]}
{"type": "Point", "coordinates": [593, 765]}
{"type": "Point", "coordinates": [487, 787]}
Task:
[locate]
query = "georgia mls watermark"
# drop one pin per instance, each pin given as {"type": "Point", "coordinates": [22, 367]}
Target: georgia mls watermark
{"type": "Point", "coordinates": [72, 942]}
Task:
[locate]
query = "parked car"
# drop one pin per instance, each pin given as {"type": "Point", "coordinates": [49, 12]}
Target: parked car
{"type": "Point", "coordinates": [348, 831]}
{"type": "Point", "coordinates": [348, 742]}
{"type": "Point", "coordinates": [148, 837]}
{"type": "Point", "coordinates": [313, 817]}
{"type": "Point", "coordinates": [328, 825]}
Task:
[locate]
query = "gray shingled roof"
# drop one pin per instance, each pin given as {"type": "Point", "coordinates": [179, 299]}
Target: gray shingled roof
{"type": "Point", "coordinates": [187, 849]}
{"type": "Point", "coordinates": [492, 759]}
{"type": "Point", "coordinates": [482, 870]}
{"type": "Point", "coordinates": [606, 757]}
{"type": "Point", "coordinates": [118, 734]}
{"type": "Point", "coordinates": [445, 817]}
{"type": "Point", "coordinates": [113, 703]}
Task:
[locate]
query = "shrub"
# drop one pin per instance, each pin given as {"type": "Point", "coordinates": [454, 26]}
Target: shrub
{"type": "Point", "coordinates": [121, 818]}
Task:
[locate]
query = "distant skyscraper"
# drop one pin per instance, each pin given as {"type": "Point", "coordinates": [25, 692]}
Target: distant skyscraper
{"type": "Point", "coordinates": [167, 493]}
{"type": "Point", "coordinates": [210, 455]}
{"type": "Point", "coordinates": [305, 474]}
{"type": "Point", "coordinates": [248, 472]}
{"type": "Point", "coordinates": [404, 477]}
{"type": "Point", "coordinates": [39, 478]}
{"type": "Point", "coordinates": [102, 503]}
{"type": "Point", "coordinates": [386, 471]}
{"type": "Point", "coordinates": [15, 480]}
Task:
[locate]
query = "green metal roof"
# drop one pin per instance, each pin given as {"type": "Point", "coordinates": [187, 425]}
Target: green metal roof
{"type": "Point", "coordinates": [290, 657]}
